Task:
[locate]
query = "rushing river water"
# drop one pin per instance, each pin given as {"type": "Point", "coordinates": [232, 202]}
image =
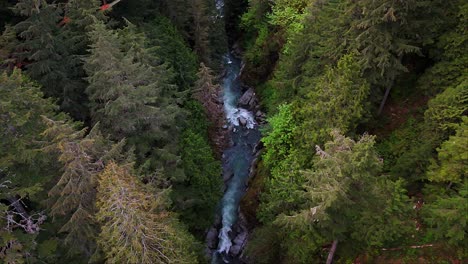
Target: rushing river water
{"type": "Point", "coordinates": [237, 158]}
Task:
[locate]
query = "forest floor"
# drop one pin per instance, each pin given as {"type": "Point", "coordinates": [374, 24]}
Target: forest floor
{"type": "Point", "coordinates": [397, 112]}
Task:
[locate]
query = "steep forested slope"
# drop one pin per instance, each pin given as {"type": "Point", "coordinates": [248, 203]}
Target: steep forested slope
{"type": "Point", "coordinates": [396, 69]}
{"type": "Point", "coordinates": [112, 130]}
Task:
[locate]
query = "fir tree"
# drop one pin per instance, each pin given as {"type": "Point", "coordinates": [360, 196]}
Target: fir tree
{"type": "Point", "coordinates": [343, 192]}
{"type": "Point", "coordinates": [40, 48]}
{"type": "Point", "coordinates": [136, 228]}
{"type": "Point", "coordinates": [24, 169]}
{"type": "Point", "coordinates": [123, 87]}
{"type": "Point", "coordinates": [83, 156]}
{"type": "Point", "coordinates": [200, 30]}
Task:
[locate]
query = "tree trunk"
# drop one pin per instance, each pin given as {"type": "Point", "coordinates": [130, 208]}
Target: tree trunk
{"type": "Point", "coordinates": [384, 100]}
{"type": "Point", "coordinates": [332, 252]}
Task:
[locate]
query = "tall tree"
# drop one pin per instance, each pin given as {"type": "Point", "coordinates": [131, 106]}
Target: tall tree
{"type": "Point", "coordinates": [384, 31]}
{"type": "Point", "coordinates": [173, 50]}
{"type": "Point", "coordinates": [83, 155]}
{"type": "Point", "coordinates": [24, 170]}
{"type": "Point", "coordinates": [40, 49]}
{"type": "Point", "coordinates": [445, 211]}
{"type": "Point", "coordinates": [124, 87]}
{"type": "Point", "coordinates": [343, 192]}
{"type": "Point", "coordinates": [207, 92]}
{"type": "Point", "coordinates": [136, 227]}
{"type": "Point", "coordinates": [76, 23]}
{"type": "Point", "coordinates": [200, 30]}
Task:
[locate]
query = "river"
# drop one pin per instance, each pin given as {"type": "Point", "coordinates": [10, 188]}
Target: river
{"type": "Point", "coordinates": [237, 158]}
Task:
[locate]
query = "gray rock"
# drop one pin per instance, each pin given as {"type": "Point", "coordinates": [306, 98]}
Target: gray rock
{"type": "Point", "coordinates": [238, 243]}
{"type": "Point", "coordinates": [212, 238]}
{"type": "Point", "coordinates": [242, 121]}
{"type": "Point", "coordinates": [227, 175]}
{"type": "Point", "coordinates": [248, 99]}
{"type": "Point", "coordinates": [235, 250]}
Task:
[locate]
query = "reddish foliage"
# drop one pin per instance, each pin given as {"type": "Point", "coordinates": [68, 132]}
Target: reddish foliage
{"type": "Point", "coordinates": [105, 7]}
{"type": "Point", "coordinates": [64, 21]}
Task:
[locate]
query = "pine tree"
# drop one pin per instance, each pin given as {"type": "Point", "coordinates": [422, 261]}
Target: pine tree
{"type": "Point", "coordinates": [200, 30]}
{"type": "Point", "coordinates": [208, 94]}
{"type": "Point", "coordinates": [338, 101]}
{"type": "Point", "coordinates": [136, 228]}
{"type": "Point", "coordinates": [452, 157]}
{"type": "Point", "coordinates": [446, 207]}
{"type": "Point", "coordinates": [8, 43]}
{"type": "Point", "coordinates": [319, 42]}
{"type": "Point", "coordinates": [83, 156]}
{"type": "Point", "coordinates": [196, 198]}
{"type": "Point", "coordinates": [76, 23]}
{"type": "Point", "coordinates": [21, 107]}
{"type": "Point", "coordinates": [343, 192]}
{"type": "Point", "coordinates": [41, 50]}
{"type": "Point", "coordinates": [384, 31]}
{"type": "Point", "coordinates": [173, 50]}
{"type": "Point", "coordinates": [52, 47]}
{"type": "Point", "coordinates": [123, 87]}
{"type": "Point", "coordinates": [24, 169]}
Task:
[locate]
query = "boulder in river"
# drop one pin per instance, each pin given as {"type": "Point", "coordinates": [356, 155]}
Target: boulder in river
{"type": "Point", "coordinates": [238, 243]}
{"type": "Point", "coordinates": [248, 99]}
{"type": "Point", "coordinates": [242, 121]}
{"type": "Point", "coordinates": [212, 238]}
{"type": "Point", "coordinates": [227, 175]}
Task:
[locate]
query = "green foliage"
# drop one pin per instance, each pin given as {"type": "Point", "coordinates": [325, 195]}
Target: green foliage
{"type": "Point", "coordinates": [338, 100]}
{"type": "Point", "coordinates": [21, 107]}
{"type": "Point", "coordinates": [445, 214]}
{"type": "Point", "coordinates": [283, 190]}
{"type": "Point", "coordinates": [288, 15]}
{"type": "Point", "coordinates": [343, 192]}
{"type": "Point", "coordinates": [308, 50]}
{"type": "Point", "coordinates": [452, 165]}
{"type": "Point", "coordinates": [8, 43]}
{"type": "Point", "coordinates": [173, 50]}
{"type": "Point", "coordinates": [279, 139]}
{"type": "Point", "coordinates": [196, 197]}
{"type": "Point", "coordinates": [451, 54]}
{"type": "Point", "coordinates": [124, 87]}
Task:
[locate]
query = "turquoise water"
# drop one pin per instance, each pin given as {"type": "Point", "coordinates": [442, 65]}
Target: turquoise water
{"type": "Point", "coordinates": [238, 157]}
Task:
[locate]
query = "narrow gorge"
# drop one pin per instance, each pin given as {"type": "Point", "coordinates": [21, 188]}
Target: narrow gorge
{"type": "Point", "coordinates": [228, 236]}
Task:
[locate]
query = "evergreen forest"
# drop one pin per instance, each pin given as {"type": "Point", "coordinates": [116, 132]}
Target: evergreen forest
{"type": "Point", "coordinates": [130, 131]}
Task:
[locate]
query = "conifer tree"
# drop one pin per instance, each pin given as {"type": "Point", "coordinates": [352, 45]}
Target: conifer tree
{"type": "Point", "coordinates": [173, 50]}
{"type": "Point", "coordinates": [8, 43]}
{"type": "Point", "coordinates": [445, 209]}
{"type": "Point", "coordinates": [134, 100]}
{"type": "Point", "coordinates": [208, 93]}
{"type": "Point", "coordinates": [24, 170]}
{"type": "Point", "coordinates": [343, 192]}
{"type": "Point", "coordinates": [136, 228]}
{"type": "Point", "coordinates": [200, 30]}
{"type": "Point", "coordinates": [83, 156]}
{"type": "Point", "coordinates": [76, 23]}
{"type": "Point", "coordinates": [51, 47]}
{"type": "Point", "coordinates": [21, 107]}
{"type": "Point", "coordinates": [384, 31]}
{"type": "Point", "coordinates": [338, 101]}
{"type": "Point", "coordinates": [40, 48]}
